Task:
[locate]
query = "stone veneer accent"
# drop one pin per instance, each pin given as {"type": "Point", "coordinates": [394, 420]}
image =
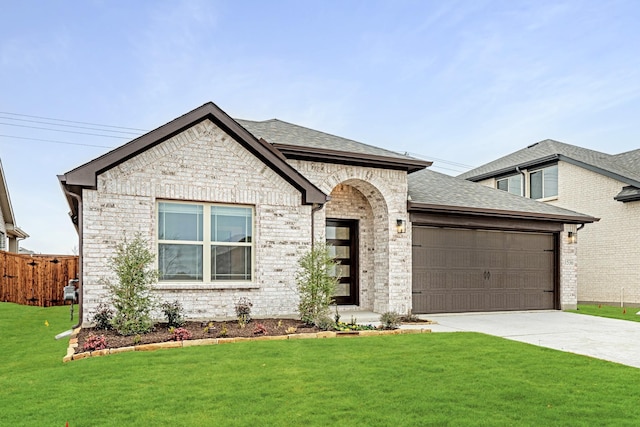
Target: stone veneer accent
{"type": "Point", "coordinates": [204, 164]}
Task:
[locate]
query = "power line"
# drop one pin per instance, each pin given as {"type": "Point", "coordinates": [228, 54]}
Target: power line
{"type": "Point", "coordinates": [461, 165]}
{"type": "Point", "coordinates": [71, 126]}
{"type": "Point", "coordinates": [54, 141]}
{"type": "Point", "coordinates": [72, 121]}
{"type": "Point", "coordinates": [65, 131]}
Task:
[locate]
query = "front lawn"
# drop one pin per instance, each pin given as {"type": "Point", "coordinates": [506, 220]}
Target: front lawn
{"type": "Point", "coordinates": [613, 312]}
{"type": "Point", "coordinates": [427, 379]}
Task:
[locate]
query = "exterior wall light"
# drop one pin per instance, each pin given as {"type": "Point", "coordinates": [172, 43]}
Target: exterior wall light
{"type": "Point", "coordinates": [401, 225]}
{"type": "Point", "coordinates": [572, 237]}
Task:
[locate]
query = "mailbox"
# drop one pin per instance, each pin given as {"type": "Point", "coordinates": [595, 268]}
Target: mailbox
{"type": "Point", "coordinates": [69, 291]}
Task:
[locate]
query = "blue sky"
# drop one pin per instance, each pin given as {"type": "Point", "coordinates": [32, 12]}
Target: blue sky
{"type": "Point", "coordinates": [460, 82]}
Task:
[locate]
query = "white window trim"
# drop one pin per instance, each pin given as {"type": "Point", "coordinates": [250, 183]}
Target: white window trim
{"type": "Point", "coordinates": [506, 178]}
{"type": "Point", "coordinates": [206, 283]}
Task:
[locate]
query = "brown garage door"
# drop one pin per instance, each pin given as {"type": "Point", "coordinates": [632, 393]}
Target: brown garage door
{"type": "Point", "coordinates": [459, 270]}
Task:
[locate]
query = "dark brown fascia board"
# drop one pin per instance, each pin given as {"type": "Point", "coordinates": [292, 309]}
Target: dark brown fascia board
{"type": "Point", "coordinates": [86, 175]}
{"type": "Point", "coordinates": [567, 219]}
{"type": "Point", "coordinates": [345, 157]}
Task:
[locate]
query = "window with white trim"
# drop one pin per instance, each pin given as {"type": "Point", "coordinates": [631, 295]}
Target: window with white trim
{"type": "Point", "coordinates": [3, 241]}
{"type": "Point", "coordinates": [543, 183]}
{"type": "Point", "coordinates": [204, 242]}
{"type": "Point", "coordinates": [512, 184]}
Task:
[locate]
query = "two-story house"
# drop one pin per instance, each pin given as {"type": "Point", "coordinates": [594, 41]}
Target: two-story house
{"type": "Point", "coordinates": [598, 184]}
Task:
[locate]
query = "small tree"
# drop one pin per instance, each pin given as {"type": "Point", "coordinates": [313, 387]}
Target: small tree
{"type": "Point", "coordinates": [316, 284]}
{"type": "Point", "coordinates": [131, 295]}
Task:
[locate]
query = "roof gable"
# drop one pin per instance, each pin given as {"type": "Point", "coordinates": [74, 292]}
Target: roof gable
{"type": "Point", "coordinates": [7, 210]}
{"type": "Point", "coordinates": [85, 176]}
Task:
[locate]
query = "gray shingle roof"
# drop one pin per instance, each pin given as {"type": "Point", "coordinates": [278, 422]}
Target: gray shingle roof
{"type": "Point", "coordinates": [624, 167]}
{"type": "Point", "coordinates": [278, 132]}
{"type": "Point", "coordinates": [433, 188]}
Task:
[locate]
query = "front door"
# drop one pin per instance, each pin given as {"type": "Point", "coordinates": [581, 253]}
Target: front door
{"type": "Point", "coordinates": [342, 239]}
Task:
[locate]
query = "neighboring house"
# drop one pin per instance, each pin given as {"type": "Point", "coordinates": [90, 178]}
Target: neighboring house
{"type": "Point", "coordinates": [230, 206]}
{"type": "Point", "coordinates": [601, 185]}
{"type": "Point", "coordinates": [10, 233]}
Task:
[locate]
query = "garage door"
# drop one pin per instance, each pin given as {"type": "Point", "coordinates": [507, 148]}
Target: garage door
{"type": "Point", "coordinates": [459, 270]}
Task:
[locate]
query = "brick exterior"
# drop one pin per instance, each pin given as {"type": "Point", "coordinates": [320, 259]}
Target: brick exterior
{"type": "Point", "coordinates": [608, 251]}
{"type": "Point", "coordinates": [203, 164]}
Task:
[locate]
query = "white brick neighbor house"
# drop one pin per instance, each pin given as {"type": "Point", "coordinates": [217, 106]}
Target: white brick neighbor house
{"type": "Point", "coordinates": [599, 184]}
{"type": "Point", "coordinates": [10, 233]}
{"type": "Point", "coordinates": [229, 206]}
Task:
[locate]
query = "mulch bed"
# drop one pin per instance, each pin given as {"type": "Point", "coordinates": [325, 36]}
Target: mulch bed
{"type": "Point", "coordinates": [199, 330]}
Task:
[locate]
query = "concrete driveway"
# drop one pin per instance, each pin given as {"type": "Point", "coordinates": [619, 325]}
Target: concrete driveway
{"type": "Point", "coordinates": [608, 339]}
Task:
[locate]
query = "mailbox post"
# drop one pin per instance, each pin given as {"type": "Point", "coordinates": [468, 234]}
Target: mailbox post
{"type": "Point", "coordinates": [70, 293]}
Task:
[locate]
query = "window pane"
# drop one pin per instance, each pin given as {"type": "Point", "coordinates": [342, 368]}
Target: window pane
{"type": "Point", "coordinates": [342, 290]}
{"type": "Point", "coordinates": [231, 224]}
{"type": "Point", "coordinates": [180, 222]}
{"type": "Point", "coordinates": [180, 262]}
{"type": "Point", "coordinates": [230, 262]}
{"type": "Point", "coordinates": [515, 185]}
{"type": "Point", "coordinates": [536, 185]}
{"type": "Point", "coordinates": [337, 233]}
{"type": "Point", "coordinates": [342, 252]}
{"type": "Point", "coordinates": [503, 185]}
{"type": "Point", "coordinates": [550, 181]}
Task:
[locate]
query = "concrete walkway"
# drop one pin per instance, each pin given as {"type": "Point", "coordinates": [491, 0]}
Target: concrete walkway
{"type": "Point", "coordinates": [608, 339]}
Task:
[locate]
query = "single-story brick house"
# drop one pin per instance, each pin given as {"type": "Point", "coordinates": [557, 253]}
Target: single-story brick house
{"type": "Point", "coordinates": [599, 184]}
{"type": "Point", "coordinates": [229, 206]}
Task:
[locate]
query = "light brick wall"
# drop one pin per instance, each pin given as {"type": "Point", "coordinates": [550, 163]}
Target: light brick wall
{"type": "Point", "coordinates": [202, 164]}
{"type": "Point", "coordinates": [386, 192]}
{"type": "Point", "coordinates": [609, 250]}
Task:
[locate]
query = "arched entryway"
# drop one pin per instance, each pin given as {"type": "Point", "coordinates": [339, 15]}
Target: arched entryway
{"type": "Point", "coordinates": [357, 225]}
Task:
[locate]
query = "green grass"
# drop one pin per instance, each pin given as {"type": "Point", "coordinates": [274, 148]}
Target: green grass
{"type": "Point", "coordinates": [428, 379]}
{"type": "Point", "coordinates": [624, 313]}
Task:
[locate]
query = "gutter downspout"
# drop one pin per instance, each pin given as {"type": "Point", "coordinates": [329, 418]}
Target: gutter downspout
{"type": "Point", "coordinates": [314, 208]}
{"type": "Point", "coordinates": [80, 257]}
{"type": "Point", "coordinates": [523, 185]}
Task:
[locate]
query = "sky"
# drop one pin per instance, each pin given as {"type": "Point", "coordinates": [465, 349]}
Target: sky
{"type": "Point", "coordinates": [460, 83]}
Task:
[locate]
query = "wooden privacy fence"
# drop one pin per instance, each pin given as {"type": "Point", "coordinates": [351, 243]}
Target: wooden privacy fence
{"type": "Point", "coordinates": [35, 279]}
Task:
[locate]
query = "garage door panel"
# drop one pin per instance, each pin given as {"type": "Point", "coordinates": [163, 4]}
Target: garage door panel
{"type": "Point", "coordinates": [457, 270]}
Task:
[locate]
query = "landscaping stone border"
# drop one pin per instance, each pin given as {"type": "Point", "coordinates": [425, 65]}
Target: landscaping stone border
{"type": "Point", "coordinates": [73, 341]}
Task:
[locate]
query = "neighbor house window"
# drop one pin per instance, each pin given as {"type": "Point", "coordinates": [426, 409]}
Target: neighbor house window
{"type": "Point", "coordinates": [512, 184]}
{"type": "Point", "coordinates": [3, 241]}
{"type": "Point", "coordinates": [204, 242]}
{"type": "Point", "coordinates": [544, 182]}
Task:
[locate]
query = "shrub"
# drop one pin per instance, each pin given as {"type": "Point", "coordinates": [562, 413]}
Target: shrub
{"type": "Point", "coordinates": [224, 331]}
{"type": "Point", "coordinates": [103, 316]}
{"type": "Point", "coordinates": [173, 313]}
{"type": "Point", "coordinates": [179, 334]}
{"type": "Point", "coordinates": [131, 295]}
{"type": "Point", "coordinates": [95, 342]}
{"type": "Point", "coordinates": [326, 323]}
{"type": "Point", "coordinates": [390, 320]}
{"type": "Point", "coordinates": [410, 317]}
{"type": "Point", "coordinates": [316, 284]}
{"type": "Point", "coordinates": [243, 311]}
{"type": "Point", "coordinates": [260, 329]}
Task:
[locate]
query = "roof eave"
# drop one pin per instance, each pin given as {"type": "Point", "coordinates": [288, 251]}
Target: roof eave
{"type": "Point", "coordinates": [346, 157]}
{"type": "Point", "coordinates": [537, 216]}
